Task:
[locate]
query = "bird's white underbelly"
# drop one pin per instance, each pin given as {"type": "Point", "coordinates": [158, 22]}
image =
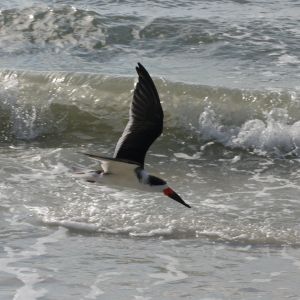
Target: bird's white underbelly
{"type": "Point", "coordinates": [122, 175]}
{"type": "Point", "coordinates": [128, 181]}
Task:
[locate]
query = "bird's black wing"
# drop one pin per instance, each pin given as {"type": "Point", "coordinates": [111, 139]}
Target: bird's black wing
{"type": "Point", "coordinates": [145, 121]}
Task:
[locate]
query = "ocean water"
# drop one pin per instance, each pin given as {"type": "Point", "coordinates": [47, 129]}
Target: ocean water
{"type": "Point", "coordinates": [227, 72]}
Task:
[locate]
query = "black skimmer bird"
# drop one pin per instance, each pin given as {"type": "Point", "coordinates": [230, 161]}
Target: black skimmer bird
{"type": "Point", "coordinates": [126, 167]}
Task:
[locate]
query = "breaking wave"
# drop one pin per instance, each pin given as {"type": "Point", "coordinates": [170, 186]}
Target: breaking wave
{"type": "Point", "coordinates": [40, 106]}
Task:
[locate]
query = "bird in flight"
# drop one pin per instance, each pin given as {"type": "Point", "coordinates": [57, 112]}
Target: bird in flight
{"type": "Point", "coordinates": [145, 125]}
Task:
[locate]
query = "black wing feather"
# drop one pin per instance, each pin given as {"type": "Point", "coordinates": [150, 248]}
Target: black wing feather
{"type": "Point", "coordinates": [145, 121]}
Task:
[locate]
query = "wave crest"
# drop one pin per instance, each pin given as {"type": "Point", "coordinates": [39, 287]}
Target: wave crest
{"type": "Point", "coordinates": [89, 106]}
{"type": "Point", "coordinates": [274, 135]}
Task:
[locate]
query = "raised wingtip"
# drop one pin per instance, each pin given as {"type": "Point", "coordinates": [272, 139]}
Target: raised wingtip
{"type": "Point", "coordinates": [140, 69]}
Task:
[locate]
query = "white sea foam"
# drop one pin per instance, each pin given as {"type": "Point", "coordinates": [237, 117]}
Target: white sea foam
{"type": "Point", "coordinates": [28, 276]}
{"type": "Point", "coordinates": [238, 199]}
{"type": "Point", "coordinates": [288, 59]}
{"type": "Point", "coordinates": [170, 273]}
{"type": "Point", "coordinates": [186, 156]}
{"type": "Point", "coordinates": [273, 135]}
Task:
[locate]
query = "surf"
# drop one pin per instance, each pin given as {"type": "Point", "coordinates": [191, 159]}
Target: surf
{"type": "Point", "coordinates": [42, 106]}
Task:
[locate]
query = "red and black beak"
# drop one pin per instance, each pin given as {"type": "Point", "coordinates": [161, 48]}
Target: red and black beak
{"type": "Point", "coordinates": [170, 193]}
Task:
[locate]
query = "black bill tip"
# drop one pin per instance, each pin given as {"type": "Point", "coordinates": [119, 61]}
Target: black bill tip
{"type": "Point", "coordinates": [173, 195]}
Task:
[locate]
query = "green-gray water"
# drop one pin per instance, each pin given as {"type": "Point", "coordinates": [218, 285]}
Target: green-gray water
{"type": "Point", "coordinates": [227, 73]}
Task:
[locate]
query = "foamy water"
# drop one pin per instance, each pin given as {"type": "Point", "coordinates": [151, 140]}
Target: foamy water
{"type": "Point", "coordinates": [227, 74]}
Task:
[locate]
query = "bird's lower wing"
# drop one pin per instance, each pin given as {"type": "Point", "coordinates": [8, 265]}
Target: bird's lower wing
{"type": "Point", "coordinates": [109, 164]}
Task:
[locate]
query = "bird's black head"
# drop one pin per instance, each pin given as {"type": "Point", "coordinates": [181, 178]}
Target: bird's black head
{"type": "Point", "coordinates": [158, 184]}
{"type": "Point", "coordinates": [153, 180]}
